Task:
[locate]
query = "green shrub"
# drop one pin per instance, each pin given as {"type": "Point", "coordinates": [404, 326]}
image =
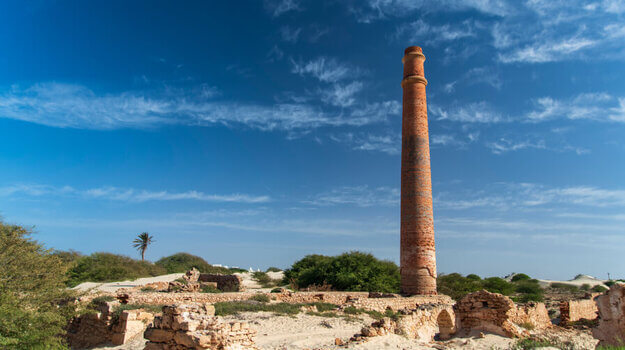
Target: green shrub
{"type": "Point", "coordinates": [68, 256]}
{"type": "Point", "coordinates": [498, 285]}
{"type": "Point", "coordinates": [183, 262]}
{"type": "Point", "coordinates": [531, 344]}
{"type": "Point", "coordinates": [474, 277]}
{"type": "Point", "coordinates": [585, 286]}
{"type": "Point", "coordinates": [264, 280]}
{"type": "Point", "coordinates": [35, 306]}
{"type": "Point", "coordinates": [209, 289]}
{"type": "Point", "coordinates": [520, 277]}
{"type": "Point", "coordinates": [564, 287]}
{"type": "Point", "coordinates": [273, 269]}
{"type": "Point", "coordinates": [353, 271]}
{"type": "Point", "coordinates": [609, 283]}
{"type": "Point", "coordinates": [235, 307]}
{"type": "Point", "coordinates": [261, 298]}
{"type": "Point", "coordinates": [236, 270]}
{"type": "Point", "coordinates": [457, 286]}
{"type": "Point", "coordinates": [598, 289]}
{"type": "Point", "coordinates": [107, 267]}
{"type": "Point", "coordinates": [148, 289]}
{"type": "Point", "coordinates": [276, 290]}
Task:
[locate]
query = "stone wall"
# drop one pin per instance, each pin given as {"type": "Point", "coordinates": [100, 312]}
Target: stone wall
{"type": "Point", "coordinates": [356, 299]}
{"type": "Point", "coordinates": [425, 323]}
{"type": "Point", "coordinates": [611, 310]}
{"type": "Point", "coordinates": [194, 326]}
{"type": "Point", "coordinates": [226, 283]}
{"type": "Point", "coordinates": [575, 310]}
{"type": "Point", "coordinates": [97, 328]}
{"type": "Point", "coordinates": [496, 313]}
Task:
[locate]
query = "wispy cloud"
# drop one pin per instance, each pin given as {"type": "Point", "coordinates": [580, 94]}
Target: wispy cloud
{"type": "Point", "coordinates": [74, 106]}
{"type": "Point", "coordinates": [279, 7]}
{"type": "Point", "coordinates": [475, 112]}
{"type": "Point", "coordinates": [478, 75]}
{"type": "Point", "coordinates": [421, 31]}
{"type": "Point", "coordinates": [125, 194]}
{"type": "Point", "coordinates": [382, 142]}
{"type": "Point", "coordinates": [504, 145]}
{"type": "Point", "coordinates": [289, 34]}
{"type": "Point", "coordinates": [361, 196]}
{"type": "Point", "coordinates": [325, 69]}
{"type": "Point", "coordinates": [373, 10]}
{"type": "Point", "coordinates": [341, 95]}
{"type": "Point", "coordinates": [592, 106]}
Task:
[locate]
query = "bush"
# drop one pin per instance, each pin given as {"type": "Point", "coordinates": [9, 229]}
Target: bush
{"type": "Point", "coordinates": [34, 303]}
{"type": "Point", "coordinates": [457, 286]}
{"type": "Point", "coordinates": [273, 269]}
{"type": "Point", "coordinates": [474, 277]}
{"type": "Point", "coordinates": [264, 280]}
{"type": "Point", "coordinates": [585, 286]}
{"type": "Point", "coordinates": [564, 287]}
{"type": "Point", "coordinates": [107, 267]}
{"type": "Point", "coordinates": [498, 285]}
{"type": "Point", "coordinates": [261, 298]}
{"type": "Point", "coordinates": [520, 277]}
{"type": "Point", "coordinates": [530, 290]}
{"type": "Point", "coordinates": [598, 289]}
{"type": "Point", "coordinates": [609, 283]}
{"type": "Point", "coordinates": [183, 262]}
{"type": "Point", "coordinates": [354, 271]}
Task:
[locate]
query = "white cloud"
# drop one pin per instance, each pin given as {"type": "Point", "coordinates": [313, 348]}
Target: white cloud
{"type": "Point", "coordinates": [547, 50]}
{"type": "Point", "coordinates": [341, 95]}
{"type": "Point", "coordinates": [592, 106]}
{"type": "Point", "coordinates": [379, 9]}
{"type": "Point", "coordinates": [325, 69]}
{"type": "Point", "coordinates": [361, 196]}
{"type": "Point", "coordinates": [125, 194]}
{"type": "Point", "coordinates": [74, 106]}
{"type": "Point", "coordinates": [279, 7]}
{"type": "Point", "coordinates": [421, 31]}
{"type": "Point", "coordinates": [289, 34]}
{"type": "Point", "coordinates": [475, 112]}
{"type": "Point", "coordinates": [385, 143]}
{"type": "Point", "coordinates": [505, 145]}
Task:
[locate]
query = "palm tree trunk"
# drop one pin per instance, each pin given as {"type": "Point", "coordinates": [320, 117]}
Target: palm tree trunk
{"type": "Point", "coordinates": [143, 254]}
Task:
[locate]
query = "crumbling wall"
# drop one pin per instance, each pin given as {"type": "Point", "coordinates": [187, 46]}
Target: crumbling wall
{"type": "Point", "coordinates": [194, 326]}
{"type": "Point", "coordinates": [611, 310]}
{"type": "Point", "coordinates": [496, 313]}
{"type": "Point", "coordinates": [575, 310]}
{"type": "Point", "coordinates": [99, 327]}
{"type": "Point", "coordinates": [425, 323]}
{"type": "Point", "coordinates": [356, 299]}
{"type": "Point", "coordinates": [226, 283]}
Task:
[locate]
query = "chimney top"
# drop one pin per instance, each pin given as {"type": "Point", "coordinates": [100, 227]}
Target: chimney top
{"type": "Point", "coordinates": [410, 49]}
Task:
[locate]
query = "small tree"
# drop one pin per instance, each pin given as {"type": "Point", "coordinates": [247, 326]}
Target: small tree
{"type": "Point", "coordinates": [142, 242]}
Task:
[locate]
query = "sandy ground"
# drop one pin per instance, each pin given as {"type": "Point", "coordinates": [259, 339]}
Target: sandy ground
{"type": "Point", "coordinates": [578, 282]}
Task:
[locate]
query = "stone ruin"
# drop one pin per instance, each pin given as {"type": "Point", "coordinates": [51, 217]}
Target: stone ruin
{"type": "Point", "coordinates": [498, 314]}
{"type": "Point", "coordinates": [575, 310]}
{"type": "Point", "coordinates": [194, 281]}
{"type": "Point", "coordinates": [195, 326]}
{"type": "Point", "coordinates": [611, 309]}
{"type": "Point", "coordinates": [99, 327]}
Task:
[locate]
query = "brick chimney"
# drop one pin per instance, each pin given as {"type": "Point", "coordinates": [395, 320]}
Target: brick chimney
{"type": "Point", "coordinates": [417, 253]}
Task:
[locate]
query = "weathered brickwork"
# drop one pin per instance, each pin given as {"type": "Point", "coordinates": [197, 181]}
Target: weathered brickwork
{"type": "Point", "coordinates": [195, 326]}
{"type": "Point", "coordinates": [496, 313]}
{"type": "Point", "coordinates": [417, 254]}
{"type": "Point", "coordinates": [92, 329]}
{"type": "Point", "coordinates": [424, 323]}
{"type": "Point", "coordinates": [575, 310]}
{"type": "Point", "coordinates": [611, 310]}
{"type": "Point", "coordinates": [356, 299]}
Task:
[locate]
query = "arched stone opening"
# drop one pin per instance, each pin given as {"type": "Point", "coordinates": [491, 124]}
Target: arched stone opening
{"type": "Point", "coordinates": [445, 325]}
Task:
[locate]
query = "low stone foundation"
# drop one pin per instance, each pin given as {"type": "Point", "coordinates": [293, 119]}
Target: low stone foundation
{"type": "Point", "coordinates": [226, 283]}
{"type": "Point", "coordinates": [611, 310]}
{"type": "Point", "coordinates": [575, 310]}
{"type": "Point", "coordinates": [355, 299]}
{"type": "Point", "coordinates": [496, 313]}
{"type": "Point", "coordinates": [194, 326]}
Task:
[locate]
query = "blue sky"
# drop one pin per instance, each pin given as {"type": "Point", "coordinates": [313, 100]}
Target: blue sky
{"type": "Point", "coordinates": [253, 133]}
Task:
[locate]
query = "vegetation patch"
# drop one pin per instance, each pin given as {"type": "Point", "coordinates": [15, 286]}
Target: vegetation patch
{"type": "Point", "coordinates": [35, 305]}
{"type": "Point", "coordinates": [107, 267]}
{"type": "Point", "coordinates": [354, 271]}
{"type": "Point", "coordinates": [261, 298]}
{"type": "Point", "coordinates": [522, 290]}
{"type": "Point", "coordinates": [273, 269]}
{"type": "Point", "coordinates": [209, 289]}
{"type": "Point", "coordinates": [183, 262]}
{"type": "Point", "coordinates": [264, 280]}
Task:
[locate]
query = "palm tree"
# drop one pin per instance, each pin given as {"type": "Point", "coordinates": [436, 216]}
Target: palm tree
{"type": "Point", "coordinates": [142, 242]}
